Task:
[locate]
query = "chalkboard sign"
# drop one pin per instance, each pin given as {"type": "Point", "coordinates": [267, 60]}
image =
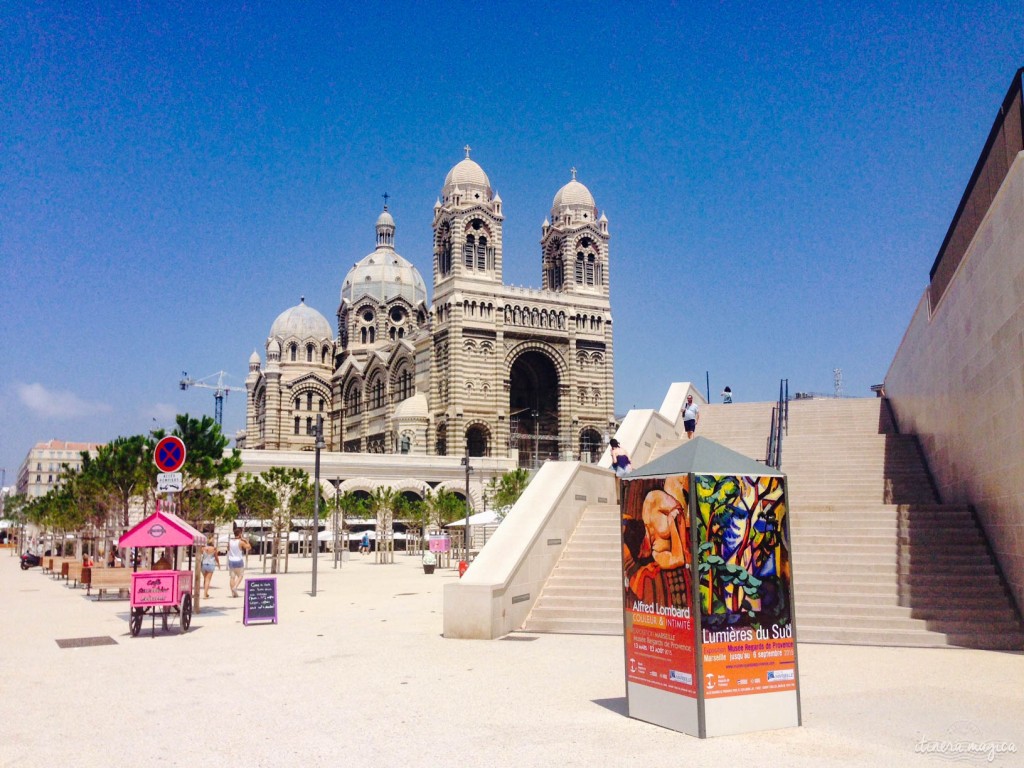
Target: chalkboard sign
{"type": "Point", "coordinates": [260, 600]}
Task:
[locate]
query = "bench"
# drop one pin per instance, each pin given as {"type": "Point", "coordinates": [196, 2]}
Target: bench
{"type": "Point", "coordinates": [78, 572]}
{"type": "Point", "coordinates": [74, 572]}
{"type": "Point", "coordinates": [108, 579]}
{"type": "Point", "coordinates": [59, 566]}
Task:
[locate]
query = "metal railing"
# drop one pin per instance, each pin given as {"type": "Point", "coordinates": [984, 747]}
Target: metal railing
{"type": "Point", "coordinates": [780, 426]}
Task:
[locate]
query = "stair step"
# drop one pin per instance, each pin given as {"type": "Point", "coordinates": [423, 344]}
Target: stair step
{"type": "Point", "coordinates": [574, 626]}
{"type": "Point", "coordinates": [876, 560]}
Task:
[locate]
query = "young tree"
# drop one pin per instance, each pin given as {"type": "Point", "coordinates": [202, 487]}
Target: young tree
{"type": "Point", "coordinates": [416, 514]}
{"type": "Point", "coordinates": [285, 484]}
{"type": "Point", "coordinates": [57, 513]}
{"type": "Point", "coordinates": [382, 506]}
{"type": "Point", "coordinates": [505, 491]}
{"type": "Point", "coordinates": [443, 507]}
{"type": "Point", "coordinates": [352, 506]}
{"type": "Point", "coordinates": [252, 499]}
{"type": "Point", "coordinates": [303, 506]}
{"type": "Point", "coordinates": [15, 507]}
{"type": "Point", "coordinates": [87, 502]}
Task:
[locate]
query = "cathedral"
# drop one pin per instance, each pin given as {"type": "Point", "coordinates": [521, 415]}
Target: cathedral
{"type": "Point", "coordinates": [484, 369]}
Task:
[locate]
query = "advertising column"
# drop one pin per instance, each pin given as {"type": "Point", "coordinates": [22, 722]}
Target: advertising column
{"type": "Point", "coordinates": [657, 601]}
{"type": "Point", "coordinates": [707, 603]}
{"type": "Point", "coordinates": [747, 649]}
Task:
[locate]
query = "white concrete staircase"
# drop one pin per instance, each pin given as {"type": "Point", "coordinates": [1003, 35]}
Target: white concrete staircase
{"type": "Point", "coordinates": [583, 595]}
{"type": "Point", "coordinates": [876, 560]}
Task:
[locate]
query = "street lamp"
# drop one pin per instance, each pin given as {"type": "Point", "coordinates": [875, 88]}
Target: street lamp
{"type": "Point", "coordinates": [536, 438]}
{"type": "Point", "coordinates": [316, 493]}
{"type": "Point", "coordinates": [465, 532]}
{"type": "Point", "coordinates": [339, 522]}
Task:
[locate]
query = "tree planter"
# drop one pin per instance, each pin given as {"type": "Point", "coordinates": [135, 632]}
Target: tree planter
{"type": "Point", "coordinates": [428, 568]}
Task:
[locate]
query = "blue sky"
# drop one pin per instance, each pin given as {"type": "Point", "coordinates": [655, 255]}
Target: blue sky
{"type": "Point", "coordinates": [777, 179]}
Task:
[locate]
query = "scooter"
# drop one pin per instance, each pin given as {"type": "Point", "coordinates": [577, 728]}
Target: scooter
{"type": "Point", "coordinates": [28, 560]}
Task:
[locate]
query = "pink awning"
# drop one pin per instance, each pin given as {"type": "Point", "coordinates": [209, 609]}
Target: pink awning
{"type": "Point", "coordinates": [162, 529]}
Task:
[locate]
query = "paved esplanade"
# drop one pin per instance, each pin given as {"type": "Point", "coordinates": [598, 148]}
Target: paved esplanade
{"type": "Point", "coordinates": [360, 675]}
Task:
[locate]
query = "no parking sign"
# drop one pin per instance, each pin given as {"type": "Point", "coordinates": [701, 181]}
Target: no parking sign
{"type": "Point", "coordinates": [169, 455]}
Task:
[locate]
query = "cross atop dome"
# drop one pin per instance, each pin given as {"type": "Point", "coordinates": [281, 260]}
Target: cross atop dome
{"type": "Point", "coordinates": [467, 148]}
{"type": "Point", "coordinates": [386, 197]}
{"type": "Point", "coordinates": [573, 171]}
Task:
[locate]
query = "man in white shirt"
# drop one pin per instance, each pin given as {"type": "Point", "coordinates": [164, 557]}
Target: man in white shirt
{"type": "Point", "coordinates": [691, 415]}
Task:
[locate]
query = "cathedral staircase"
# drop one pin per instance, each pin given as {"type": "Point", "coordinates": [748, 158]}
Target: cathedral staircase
{"type": "Point", "coordinates": [877, 560]}
{"type": "Point", "coordinates": [583, 595]}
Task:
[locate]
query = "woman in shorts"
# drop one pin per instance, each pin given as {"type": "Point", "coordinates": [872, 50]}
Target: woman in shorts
{"type": "Point", "coordinates": [210, 563]}
{"type": "Point", "coordinates": [237, 548]}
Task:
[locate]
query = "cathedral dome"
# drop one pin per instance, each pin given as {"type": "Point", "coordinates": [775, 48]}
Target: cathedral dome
{"type": "Point", "coordinates": [467, 179]}
{"type": "Point", "coordinates": [301, 321]}
{"type": "Point", "coordinates": [573, 197]}
{"type": "Point", "coordinates": [384, 275]}
{"type": "Point", "coordinates": [573, 193]}
{"type": "Point", "coordinates": [467, 172]}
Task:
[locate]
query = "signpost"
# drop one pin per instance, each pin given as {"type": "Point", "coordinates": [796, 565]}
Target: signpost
{"type": "Point", "coordinates": [169, 457]}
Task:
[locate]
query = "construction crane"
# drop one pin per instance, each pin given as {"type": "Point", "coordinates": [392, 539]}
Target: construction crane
{"type": "Point", "coordinates": [220, 391]}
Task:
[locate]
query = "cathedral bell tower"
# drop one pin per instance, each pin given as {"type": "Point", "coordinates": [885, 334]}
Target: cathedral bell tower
{"type": "Point", "coordinates": [574, 243]}
{"type": "Point", "coordinates": [467, 228]}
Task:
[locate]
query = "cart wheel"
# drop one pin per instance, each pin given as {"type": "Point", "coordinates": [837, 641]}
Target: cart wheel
{"type": "Point", "coordinates": [186, 612]}
{"type": "Point", "coordinates": [135, 621]}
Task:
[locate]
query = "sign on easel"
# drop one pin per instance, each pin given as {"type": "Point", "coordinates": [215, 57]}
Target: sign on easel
{"type": "Point", "coordinates": [260, 600]}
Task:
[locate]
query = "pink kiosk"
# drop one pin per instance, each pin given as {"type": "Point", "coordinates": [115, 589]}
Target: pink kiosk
{"type": "Point", "coordinates": [163, 592]}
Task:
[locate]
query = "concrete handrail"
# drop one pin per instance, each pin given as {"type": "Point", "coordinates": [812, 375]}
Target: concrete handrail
{"type": "Point", "coordinates": [642, 428]}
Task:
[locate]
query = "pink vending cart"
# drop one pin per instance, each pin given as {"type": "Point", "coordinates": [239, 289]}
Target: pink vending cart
{"type": "Point", "coordinates": [163, 593]}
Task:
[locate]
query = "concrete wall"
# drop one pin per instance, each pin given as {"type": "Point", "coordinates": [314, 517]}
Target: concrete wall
{"type": "Point", "coordinates": [502, 584]}
{"type": "Point", "coordinates": [958, 379]}
{"type": "Point", "coordinates": [642, 428]}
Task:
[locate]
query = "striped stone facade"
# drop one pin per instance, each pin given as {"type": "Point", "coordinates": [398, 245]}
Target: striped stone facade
{"type": "Point", "coordinates": [484, 370]}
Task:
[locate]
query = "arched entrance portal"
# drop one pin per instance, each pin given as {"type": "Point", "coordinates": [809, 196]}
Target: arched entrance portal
{"type": "Point", "coordinates": [533, 408]}
{"type": "Point", "coordinates": [476, 441]}
{"type": "Point", "coordinates": [591, 446]}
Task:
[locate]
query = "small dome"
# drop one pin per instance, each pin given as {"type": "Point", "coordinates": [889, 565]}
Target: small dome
{"type": "Point", "coordinates": [385, 219]}
{"type": "Point", "coordinates": [254, 357]}
{"type": "Point", "coordinates": [414, 407]}
{"type": "Point", "coordinates": [467, 180]}
{"type": "Point", "coordinates": [466, 173]}
{"type": "Point", "coordinates": [301, 322]}
{"type": "Point", "coordinates": [573, 195]}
